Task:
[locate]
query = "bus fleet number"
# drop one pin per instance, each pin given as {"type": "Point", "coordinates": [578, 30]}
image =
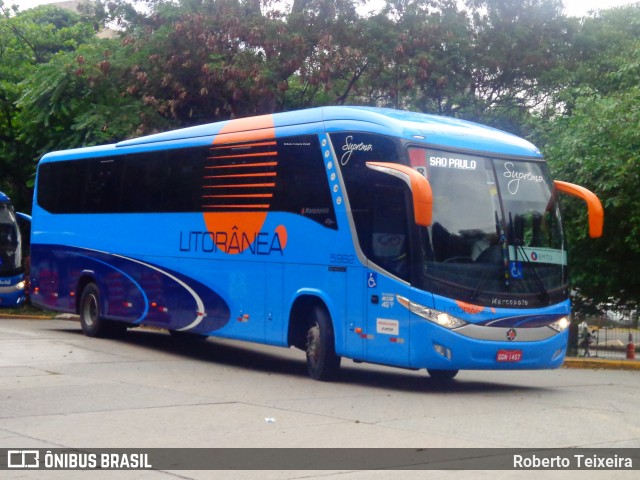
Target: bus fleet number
{"type": "Point", "coordinates": [342, 259]}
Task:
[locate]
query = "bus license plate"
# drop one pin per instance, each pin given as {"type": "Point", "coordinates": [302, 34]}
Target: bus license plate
{"type": "Point", "coordinates": [509, 355]}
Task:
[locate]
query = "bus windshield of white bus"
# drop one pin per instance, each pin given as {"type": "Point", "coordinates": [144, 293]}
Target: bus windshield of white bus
{"type": "Point", "coordinates": [10, 242]}
{"type": "Point", "coordinates": [496, 237]}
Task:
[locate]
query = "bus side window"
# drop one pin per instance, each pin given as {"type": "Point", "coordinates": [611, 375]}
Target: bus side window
{"type": "Point", "coordinates": [103, 193]}
{"type": "Point", "coordinates": [302, 186]}
{"type": "Point", "coordinates": [379, 204]}
{"type": "Point", "coordinates": [62, 186]}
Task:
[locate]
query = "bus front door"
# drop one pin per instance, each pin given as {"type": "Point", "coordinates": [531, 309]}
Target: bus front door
{"type": "Point", "coordinates": [387, 332]}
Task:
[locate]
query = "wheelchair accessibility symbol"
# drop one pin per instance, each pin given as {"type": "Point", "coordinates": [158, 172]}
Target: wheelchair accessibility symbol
{"type": "Point", "coordinates": [516, 269]}
{"type": "Point", "coordinates": [372, 280]}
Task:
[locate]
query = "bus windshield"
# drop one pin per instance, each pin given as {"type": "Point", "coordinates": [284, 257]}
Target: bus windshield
{"type": "Point", "coordinates": [10, 243]}
{"type": "Point", "coordinates": [496, 237]}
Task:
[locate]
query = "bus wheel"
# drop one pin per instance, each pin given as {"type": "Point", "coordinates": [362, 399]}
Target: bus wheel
{"type": "Point", "coordinates": [322, 362]}
{"type": "Point", "coordinates": [93, 325]}
{"type": "Point", "coordinates": [442, 375]}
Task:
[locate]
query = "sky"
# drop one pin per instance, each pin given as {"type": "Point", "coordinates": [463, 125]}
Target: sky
{"type": "Point", "coordinates": [576, 8]}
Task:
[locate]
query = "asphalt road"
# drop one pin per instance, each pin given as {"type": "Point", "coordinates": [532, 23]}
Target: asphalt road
{"type": "Point", "coordinates": [59, 388]}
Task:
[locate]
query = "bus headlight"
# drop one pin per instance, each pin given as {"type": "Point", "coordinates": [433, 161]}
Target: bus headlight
{"type": "Point", "coordinates": [440, 318]}
{"type": "Point", "coordinates": [448, 321]}
{"type": "Point", "coordinates": [561, 325]}
{"type": "Point", "coordinates": [20, 285]}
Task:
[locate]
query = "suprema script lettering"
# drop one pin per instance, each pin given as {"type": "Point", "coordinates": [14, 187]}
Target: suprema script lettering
{"type": "Point", "coordinates": [516, 177]}
{"type": "Point", "coordinates": [349, 148]}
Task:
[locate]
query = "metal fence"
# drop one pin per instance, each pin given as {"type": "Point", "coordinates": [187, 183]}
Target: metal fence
{"type": "Point", "coordinates": [612, 342]}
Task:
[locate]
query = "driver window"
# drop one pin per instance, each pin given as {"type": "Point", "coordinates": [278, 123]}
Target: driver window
{"type": "Point", "coordinates": [389, 237]}
{"type": "Point", "coordinates": [379, 206]}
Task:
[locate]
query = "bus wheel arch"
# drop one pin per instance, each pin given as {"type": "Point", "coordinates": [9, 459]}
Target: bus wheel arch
{"type": "Point", "coordinates": [311, 329]}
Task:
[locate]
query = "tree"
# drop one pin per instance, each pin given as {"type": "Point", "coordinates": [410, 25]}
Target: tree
{"type": "Point", "coordinates": [81, 98]}
{"type": "Point", "coordinates": [595, 142]}
{"type": "Point", "coordinates": [491, 61]}
{"type": "Point", "coordinates": [205, 60]}
{"type": "Point", "coordinates": [27, 40]}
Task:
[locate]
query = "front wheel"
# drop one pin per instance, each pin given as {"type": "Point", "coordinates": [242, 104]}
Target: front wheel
{"type": "Point", "coordinates": [322, 362]}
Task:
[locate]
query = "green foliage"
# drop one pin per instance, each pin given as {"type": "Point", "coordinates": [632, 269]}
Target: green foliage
{"type": "Point", "coordinates": [599, 147]}
{"type": "Point", "coordinates": [78, 99]}
{"type": "Point", "coordinates": [28, 40]}
{"type": "Point", "coordinates": [596, 143]}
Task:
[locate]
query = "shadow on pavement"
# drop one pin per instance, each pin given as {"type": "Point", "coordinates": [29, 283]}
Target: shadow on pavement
{"type": "Point", "coordinates": [246, 356]}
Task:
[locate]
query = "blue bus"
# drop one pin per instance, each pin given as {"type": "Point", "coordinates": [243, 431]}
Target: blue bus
{"type": "Point", "coordinates": [12, 254]}
{"type": "Point", "coordinates": [378, 235]}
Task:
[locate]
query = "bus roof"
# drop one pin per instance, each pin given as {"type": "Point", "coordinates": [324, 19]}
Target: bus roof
{"type": "Point", "coordinates": [433, 130]}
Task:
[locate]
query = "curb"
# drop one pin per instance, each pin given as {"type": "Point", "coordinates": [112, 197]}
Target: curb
{"type": "Point", "coordinates": [601, 363]}
{"type": "Point", "coordinates": [12, 316]}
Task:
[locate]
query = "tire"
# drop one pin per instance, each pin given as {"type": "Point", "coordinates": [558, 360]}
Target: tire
{"type": "Point", "coordinates": [442, 375]}
{"type": "Point", "coordinates": [91, 320]}
{"type": "Point", "coordinates": [322, 362]}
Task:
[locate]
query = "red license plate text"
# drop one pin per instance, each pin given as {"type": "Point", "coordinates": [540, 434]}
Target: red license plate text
{"type": "Point", "coordinates": [509, 355]}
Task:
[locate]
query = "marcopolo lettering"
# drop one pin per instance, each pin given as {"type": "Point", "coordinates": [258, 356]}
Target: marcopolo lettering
{"type": "Point", "coordinates": [509, 302]}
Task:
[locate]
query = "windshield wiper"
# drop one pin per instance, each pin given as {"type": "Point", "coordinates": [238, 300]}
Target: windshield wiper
{"type": "Point", "coordinates": [504, 248]}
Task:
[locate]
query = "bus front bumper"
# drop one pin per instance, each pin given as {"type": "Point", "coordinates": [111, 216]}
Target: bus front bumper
{"type": "Point", "coordinates": [448, 350]}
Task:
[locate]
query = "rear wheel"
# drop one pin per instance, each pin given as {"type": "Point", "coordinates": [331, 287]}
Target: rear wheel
{"type": "Point", "coordinates": [91, 321]}
{"type": "Point", "coordinates": [442, 375]}
{"type": "Point", "coordinates": [322, 362]}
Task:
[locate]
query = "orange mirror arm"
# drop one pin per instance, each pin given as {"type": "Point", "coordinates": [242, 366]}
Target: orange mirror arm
{"type": "Point", "coordinates": [594, 207]}
{"type": "Point", "coordinates": [419, 185]}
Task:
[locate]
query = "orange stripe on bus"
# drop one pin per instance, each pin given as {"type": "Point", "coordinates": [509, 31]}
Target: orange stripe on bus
{"type": "Point", "coordinates": [238, 185]}
{"type": "Point", "coordinates": [245, 165]}
{"type": "Point", "coordinates": [246, 145]}
{"type": "Point", "coordinates": [248, 195]}
{"type": "Point", "coordinates": [255, 130]}
{"type": "Point", "coordinates": [245, 155]}
{"type": "Point", "coordinates": [249, 129]}
{"type": "Point", "coordinates": [469, 307]}
{"type": "Point", "coordinates": [239, 175]}
{"type": "Point", "coordinates": [222, 207]}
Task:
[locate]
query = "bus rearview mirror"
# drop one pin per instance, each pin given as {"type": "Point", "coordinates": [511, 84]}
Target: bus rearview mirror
{"type": "Point", "coordinates": [594, 207]}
